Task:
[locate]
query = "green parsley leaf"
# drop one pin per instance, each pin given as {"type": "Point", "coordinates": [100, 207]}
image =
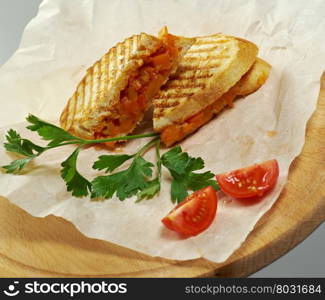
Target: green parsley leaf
{"type": "Point", "coordinates": [75, 182]}
{"type": "Point", "coordinates": [152, 188]}
{"type": "Point", "coordinates": [17, 165]}
{"type": "Point", "coordinates": [181, 167]}
{"type": "Point", "coordinates": [21, 146]}
{"type": "Point", "coordinates": [106, 186]}
{"type": "Point", "coordinates": [125, 183]}
{"type": "Point", "coordinates": [180, 162]}
{"type": "Point", "coordinates": [111, 162]}
{"type": "Point", "coordinates": [50, 132]}
{"type": "Point", "coordinates": [201, 180]}
{"type": "Point", "coordinates": [178, 188]}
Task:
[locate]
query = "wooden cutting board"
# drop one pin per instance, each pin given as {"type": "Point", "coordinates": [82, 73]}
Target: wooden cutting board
{"type": "Point", "coordinates": [51, 246]}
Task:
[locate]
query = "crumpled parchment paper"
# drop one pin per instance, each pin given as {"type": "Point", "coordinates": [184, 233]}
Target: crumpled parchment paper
{"type": "Point", "coordinates": [66, 37]}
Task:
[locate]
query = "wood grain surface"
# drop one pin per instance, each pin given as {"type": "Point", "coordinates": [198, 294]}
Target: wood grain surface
{"type": "Point", "coordinates": [53, 247]}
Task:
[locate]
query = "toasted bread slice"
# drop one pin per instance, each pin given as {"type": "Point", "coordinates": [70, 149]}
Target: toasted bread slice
{"type": "Point", "coordinates": [211, 66]}
{"type": "Point", "coordinates": [249, 83]}
{"type": "Point", "coordinates": [183, 44]}
{"type": "Point", "coordinates": [113, 96]}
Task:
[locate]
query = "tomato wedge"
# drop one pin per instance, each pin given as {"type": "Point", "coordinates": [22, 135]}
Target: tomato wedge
{"type": "Point", "coordinates": [194, 214]}
{"type": "Point", "coordinates": [249, 182]}
{"type": "Point", "coordinates": [161, 60]}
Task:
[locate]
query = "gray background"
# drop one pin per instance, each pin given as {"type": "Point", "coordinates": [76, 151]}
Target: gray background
{"type": "Point", "coordinates": [305, 260]}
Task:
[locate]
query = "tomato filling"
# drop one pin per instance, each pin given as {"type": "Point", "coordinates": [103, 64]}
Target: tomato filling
{"type": "Point", "coordinates": [139, 90]}
{"type": "Point", "coordinates": [176, 132]}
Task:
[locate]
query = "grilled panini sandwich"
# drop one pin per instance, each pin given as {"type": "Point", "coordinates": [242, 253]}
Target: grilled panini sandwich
{"type": "Point", "coordinates": [210, 67]}
{"type": "Point", "coordinates": [249, 83]}
{"type": "Point", "coordinates": [116, 91]}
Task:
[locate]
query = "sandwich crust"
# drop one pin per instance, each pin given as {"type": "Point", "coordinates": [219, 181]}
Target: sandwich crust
{"type": "Point", "coordinates": [248, 84]}
{"type": "Point", "coordinates": [211, 66]}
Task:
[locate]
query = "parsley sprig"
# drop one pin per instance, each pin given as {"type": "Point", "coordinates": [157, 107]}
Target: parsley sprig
{"type": "Point", "coordinates": [126, 183]}
{"type": "Point", "coordinates": [153, 186]}
{"type": "Point", "coordinates": [56, 137]}
{"type": "Point", "coordinates": [181, 167]}
{"type": "Point", "coordinates": [21, 146]}
{"type": "Point", "coordinates": [136, 180]}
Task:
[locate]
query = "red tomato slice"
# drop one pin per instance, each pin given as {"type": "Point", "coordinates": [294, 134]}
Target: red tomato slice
{"type": "Point", "coordinates": [251, 181]}
{"type": "Point", "coordinates": [194, 214]}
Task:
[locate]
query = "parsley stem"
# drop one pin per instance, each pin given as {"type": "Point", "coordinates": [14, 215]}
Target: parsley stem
{"type": "Point", "coordinates": [159, 163]}
{"type": "Point", "coordinates": [120, 138]}
{"type": "Point", "coordinates": [147, 146]}
{"type": "Point", "coordinates": [89, 142]}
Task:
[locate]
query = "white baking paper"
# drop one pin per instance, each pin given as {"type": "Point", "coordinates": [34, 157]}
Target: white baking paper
{"type": "Point", "coordinates": [66, 37]}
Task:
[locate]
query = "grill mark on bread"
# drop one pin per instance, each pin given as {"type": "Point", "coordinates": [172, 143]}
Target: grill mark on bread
{"type": "Point", "coordinates": [127, 50]}
{"type": "Point", "coordinates": [160, 111]}
{"type": "Point", "coordinates": [97, 80]}
{"type": "Point", "coordinates": [190, 74]}
{"type": "Point", "coordinates": [200, 41]}
{"type": "Point", "coordinates": [114, 65]}
{"type": "Point", "coordinates": [171, 96]}
{"type": "Point", "coordinates": [124, 60]}
{"type": "Point", "coordinates": [192, 68]}
{"type": "Point", "coordinates": [95, 85]}
{"type": "Point", "coordinates": [138, 45]}
{"type": "Point", "coordinates": [201, 50]}
{"type": "Point", "coordinates": [101, 78]}
{"type": "Point", "coordinates": [188, 83]}
{"type": "Point", "coordinates": [166, 104]}
{"type": "Point", "coordinates": [104, 73]}
{"type": "Point", "coordinates": [79, 112]}
{"type": "Point", "coordinates": [206, 56]}
{"type": "Point", "coordinates": [73, 106]}
{"type": "Point", "coordinates": [87, 87]}
{"type": "Point", "coordinates": [157, 115]}
{"type": "Point", "coordinates": [76, 103]}
{"type": "Point", "coordinates": [64, 116]}
{"type": "Point", "coordinates": [91, 98]}
{"type": "Point", "coordinates": [121, 58]}
{"type": "Point", "coordinates": [118, 58]}
{"type": "Point", "coordinates": [69, 119]}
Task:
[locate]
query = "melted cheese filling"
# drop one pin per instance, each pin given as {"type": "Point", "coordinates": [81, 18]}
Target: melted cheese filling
{"type": "Point", "coordinates": [176, 132]}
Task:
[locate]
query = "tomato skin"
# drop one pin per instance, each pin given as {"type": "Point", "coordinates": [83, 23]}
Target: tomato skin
{"type": "Point", "coordinates": [249, 182]}
{"type": "Point", "coordinates": [195, 214]}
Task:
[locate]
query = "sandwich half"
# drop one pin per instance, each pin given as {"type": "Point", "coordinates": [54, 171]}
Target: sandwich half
{"type": "Point", "coordinates": [116, 91]}
{"type": "Point", "coordinates": [210, 68]}
{"type": "Point", "coordinates": [249, 83]}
